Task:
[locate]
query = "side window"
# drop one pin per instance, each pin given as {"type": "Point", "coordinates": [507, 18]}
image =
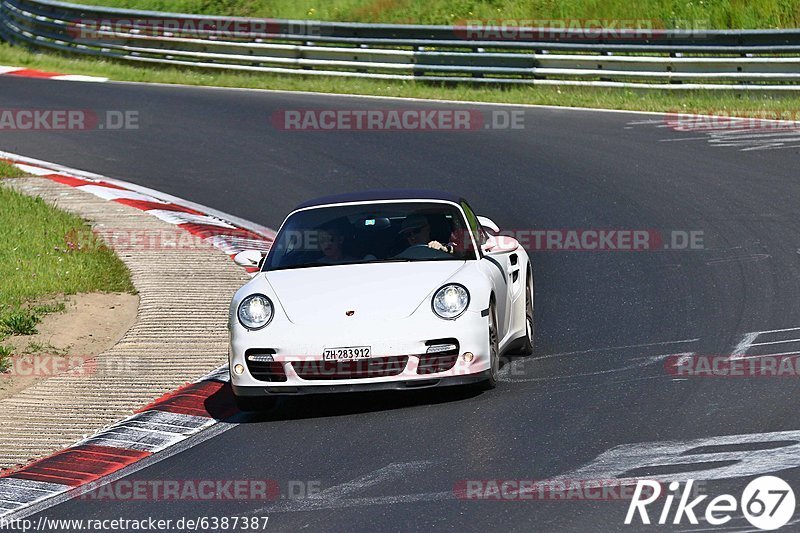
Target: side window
{"type": "Point", "coordinates": [474, 227]}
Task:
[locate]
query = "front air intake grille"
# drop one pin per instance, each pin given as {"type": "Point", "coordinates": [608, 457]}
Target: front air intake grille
{"type": "Point", "coordinates": [364, 368]}
{"type": "Point", "coordinates": [261, 368]}
{"type": "Point", "coordinates": [442, 356]}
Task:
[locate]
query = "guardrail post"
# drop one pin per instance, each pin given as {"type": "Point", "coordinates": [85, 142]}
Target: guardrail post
{"type": "Point", "coordinates": [3, 23]}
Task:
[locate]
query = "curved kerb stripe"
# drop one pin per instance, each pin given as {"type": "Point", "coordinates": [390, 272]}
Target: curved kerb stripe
{"type": "Point", "coordinates": [167, 421]}
{"type": "Point", "coordinates": [30, 73]}
{"type": "Point", "coordinates": [217, 232]}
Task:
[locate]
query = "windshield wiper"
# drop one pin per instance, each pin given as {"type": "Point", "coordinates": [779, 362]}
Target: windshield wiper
{"type": "Point", "coordinates": [301, 265]}
{"type": "Point", "coordinates": [390, 260]}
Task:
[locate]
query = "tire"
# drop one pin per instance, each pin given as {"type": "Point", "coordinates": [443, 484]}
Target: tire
{"type": "Point", "coordinates": [254, 404]}
{"type": "Point", "coordinates": [527, 341]}
{"type": "Point", "coordinates": [494, 351]}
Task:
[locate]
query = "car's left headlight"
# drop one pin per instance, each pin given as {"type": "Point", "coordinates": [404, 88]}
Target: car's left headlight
{"type": "Point", "coordinates": [450, 301]}
{"type": "Point", "coordinates": [255, 311]}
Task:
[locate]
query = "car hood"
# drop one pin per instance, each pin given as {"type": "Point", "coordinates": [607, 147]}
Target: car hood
{"type": "Point", "coordinates": [376, 291]}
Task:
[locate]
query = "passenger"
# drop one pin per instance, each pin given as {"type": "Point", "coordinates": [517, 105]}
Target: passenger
{"type": "Point", "coordinates": [331, 242]}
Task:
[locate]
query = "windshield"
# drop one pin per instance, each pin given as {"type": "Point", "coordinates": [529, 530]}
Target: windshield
{"type": "Point", "coordinates": [371, 233]}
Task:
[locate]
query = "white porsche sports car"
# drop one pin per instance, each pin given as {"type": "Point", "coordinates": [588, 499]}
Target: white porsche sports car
{"type": "Point", "coordinates": [379, 290]}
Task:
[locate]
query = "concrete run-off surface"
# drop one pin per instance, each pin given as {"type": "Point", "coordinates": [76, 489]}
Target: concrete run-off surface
{"type": "Point", "coordinates": [180, 333]}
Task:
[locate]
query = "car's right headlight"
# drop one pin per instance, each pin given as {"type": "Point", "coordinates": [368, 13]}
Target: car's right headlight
{"type": "Point", "coordinates": [255, 311]}
{"type": "Point", "coordinates": [450, 301]}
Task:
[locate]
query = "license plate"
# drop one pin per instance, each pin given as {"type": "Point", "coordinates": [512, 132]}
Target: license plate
{"type": "Point", "coordinates": [349, 353]}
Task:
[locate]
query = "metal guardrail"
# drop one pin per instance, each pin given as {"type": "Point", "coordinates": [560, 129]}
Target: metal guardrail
{"type": "Point", "coordinates": [671, 59]}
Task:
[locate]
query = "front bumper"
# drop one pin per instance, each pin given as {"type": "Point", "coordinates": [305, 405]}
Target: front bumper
{"type": "Point", "coordinates": [269, 390]}
{"type": "Point", "coordinates": [401, 344]}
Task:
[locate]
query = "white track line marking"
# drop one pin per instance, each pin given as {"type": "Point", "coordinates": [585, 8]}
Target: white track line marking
{"type": "Point", "coordinates": [79, 77]}
{"type": "Point", "coordinates": [569, 387]}
{"type": "Point", "coordinates": [644, 361]}
{"type": "Point", "coordinates": [615, 462]}
{"type": "Point", "coordinates": [778, 330]}
{"type": "Point", "coordinates": [748, 341]}
{"type": "Point", "coordinates": [752, 134]}
{"type": "Point", "coordinates": [742, 259]}
{"type": "Point", "coordinates": [682, 139]}
{"type": "Point", "coordinates": [310, 504]}
{"type": "Point", "coordinates": [390, 472]}
{"type": "Point", "coordinates": [775, 342]}
{"type": "Point", "coordinates": [611, 348]}
{"type": "Point", "coordinates": [768, 355]}
{"type": "Point", "coordinates": [336, 497]}
{"type": "Point", "coordinates": [744, 345]}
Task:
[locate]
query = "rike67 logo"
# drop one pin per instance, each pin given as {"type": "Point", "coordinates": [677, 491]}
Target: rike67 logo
{"type": "Point", "coordinates": [767, 503]}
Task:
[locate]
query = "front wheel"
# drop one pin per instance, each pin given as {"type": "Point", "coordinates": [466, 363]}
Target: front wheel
{"type": "Point", "coordinates": [494, 351]}
{"type": "Point", "coordinates": [527, 341]}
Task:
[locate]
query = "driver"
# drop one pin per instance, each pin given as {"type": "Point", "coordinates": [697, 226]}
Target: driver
{"type": "Point", "coordinates": [417, 231]}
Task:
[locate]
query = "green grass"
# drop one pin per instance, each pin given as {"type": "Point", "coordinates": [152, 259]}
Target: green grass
{"type": "Point", "coordinates": [39, 347]}
{"type": "Point", "coordinates": [718, 102]}
{"type": "Point", "coordinates": [725, 14]}
{"type": "Point", "coordinates": [37, 262]}
{"type": "Point", "coordinates": [19, 322]}
{"type": "Point", "coordinates": [5, 355]}
{"type": "Point", "coordinates": [22, 321]}
{"type": "Point", "coordinates": [8, 170]}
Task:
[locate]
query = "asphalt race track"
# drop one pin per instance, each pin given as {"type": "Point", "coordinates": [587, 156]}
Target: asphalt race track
{"type": "Point", "coordinates": [605, 320]}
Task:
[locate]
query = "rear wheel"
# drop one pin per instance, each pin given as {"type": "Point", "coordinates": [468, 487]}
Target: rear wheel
{"type": "Point", "coordinates": [251, 404]}
{"type": "Point", "coordinates": [527, 341]}
{"type": "Point", "coordinates": [494, 351]}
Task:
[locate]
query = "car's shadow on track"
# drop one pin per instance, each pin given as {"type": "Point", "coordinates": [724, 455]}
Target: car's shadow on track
{"type": "Point", "coordinates": [342, 404]}
{"type": "Point", "coordinates": [221, 405]}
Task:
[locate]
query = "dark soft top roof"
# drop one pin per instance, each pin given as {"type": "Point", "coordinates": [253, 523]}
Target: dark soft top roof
{"type": "Point", "coordinates": [385, 194]}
